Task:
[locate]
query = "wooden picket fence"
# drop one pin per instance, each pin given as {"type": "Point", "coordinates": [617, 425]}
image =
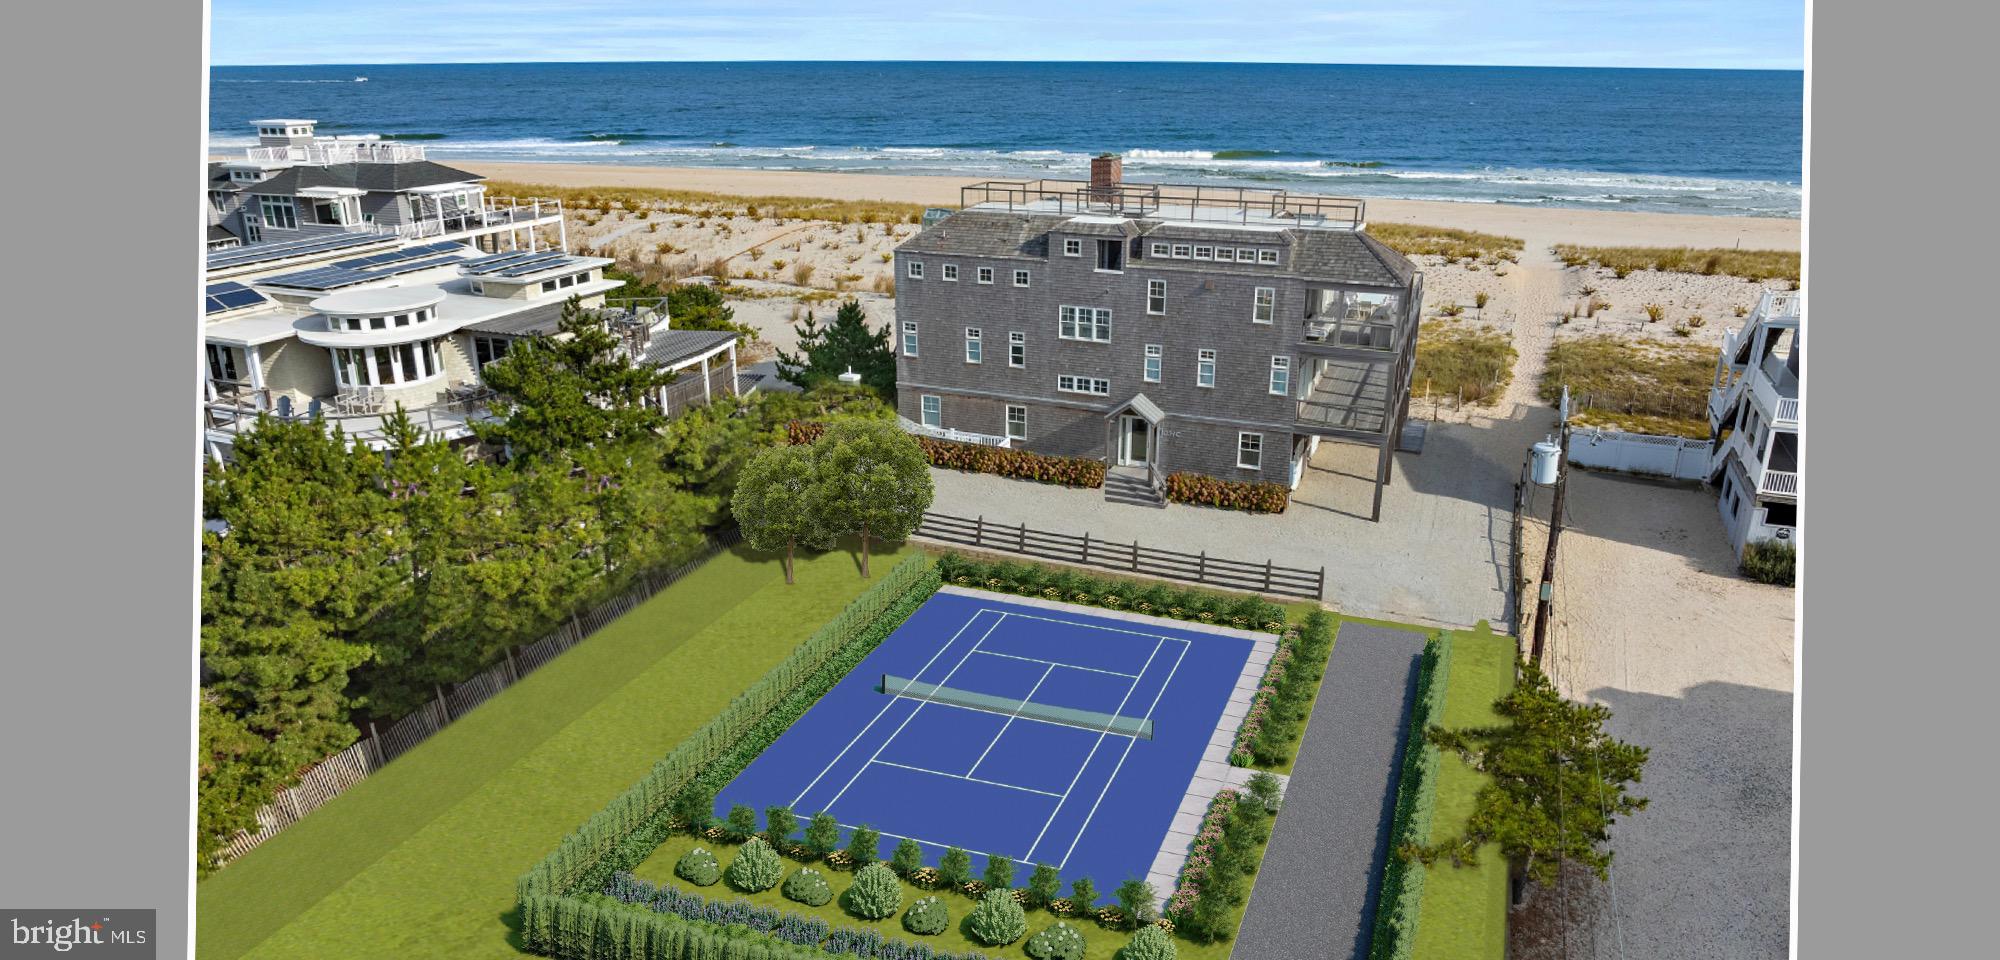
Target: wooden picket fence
{"type": "Point", "coordinates": [1125, 556]}
{"type": "Point", "coordinates": [334, 775]}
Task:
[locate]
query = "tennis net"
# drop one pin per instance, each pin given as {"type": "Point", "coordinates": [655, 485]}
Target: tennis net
{"type": "Point", "coordinates": [1135, 727]}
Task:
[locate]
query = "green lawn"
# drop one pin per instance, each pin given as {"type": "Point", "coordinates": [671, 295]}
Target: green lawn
{"type": "Point", "coordinates": [420, 859]}
{"type": "Point", "coordinates": [1464, 915]}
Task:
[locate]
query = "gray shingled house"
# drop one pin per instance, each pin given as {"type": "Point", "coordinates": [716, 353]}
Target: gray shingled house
{"type": "Point", "coordinates": [1162, 328]}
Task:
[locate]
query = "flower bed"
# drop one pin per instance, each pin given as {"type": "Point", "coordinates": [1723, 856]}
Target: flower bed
{"type": "Point", "coordinates": [1246, 612]}
{"type": "Point", "coordinates": [1201, 855]}
{"type": "Point", "coordinates": [1269, 734]}
{"type": "Point", "coordinates": [979, 458]}
{"type": "Point", "coordinates": [1204, 490]}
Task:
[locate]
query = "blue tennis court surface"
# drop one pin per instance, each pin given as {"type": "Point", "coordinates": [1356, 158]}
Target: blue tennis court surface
{"type": "Point", "coordinates": [1088, 799]}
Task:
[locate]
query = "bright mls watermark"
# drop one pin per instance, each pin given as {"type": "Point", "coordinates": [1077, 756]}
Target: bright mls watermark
{"type": "Point", "coordinates": [124, 934]}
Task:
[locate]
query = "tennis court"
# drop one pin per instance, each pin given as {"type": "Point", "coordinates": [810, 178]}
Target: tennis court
{"type": "Point", "coordinates": [1042, 733]}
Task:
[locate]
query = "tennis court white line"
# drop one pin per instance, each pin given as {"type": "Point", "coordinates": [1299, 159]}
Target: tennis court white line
{"type": "Point", "coordinates": [1080, 831]}
{"type": "Point", "coordinates": [1088, 626]}
{"type": "Point", "coordinates": [1059, 663]}
{"type": "Point", "coordinates": [913, 714]}
{"type": "Point", "coordinates": [969, 621]}
{"type": "Point", "coordinates": [1010, 722]}
{"type": "Point", "coordinates": [963, 776]}
{"type": "Point", "coordinates": [933, 843]}
{"type": "Point", "coordinates": [1030, 856]}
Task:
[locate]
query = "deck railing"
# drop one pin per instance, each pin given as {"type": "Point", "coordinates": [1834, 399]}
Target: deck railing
{"type": "Point", "coordinates": [323, 152]}
{"type": "Point", "coordinates": [1173, 201]}
{"type": "Point", "coordinates": [1779, 481]}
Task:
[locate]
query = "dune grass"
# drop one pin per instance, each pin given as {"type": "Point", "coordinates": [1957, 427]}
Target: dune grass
{"type": "Point", "coordinates": [420, 859]}
{"type": "Point", "coordinates": [1414, 239]}
{"type": "Point", "coordinates": [1639, 386]}
{"type": "Point", "coordinates": [1464, 914]}
{"type": "Point", "coordinates": [1469, 363]}
{"type": "Point", "coordinates": [1748, 264]}
{"type": "Point", "coordinates": [700, 203]}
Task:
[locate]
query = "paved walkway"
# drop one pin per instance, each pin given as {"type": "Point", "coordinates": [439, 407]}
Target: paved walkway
{"type": "Point", "coordinates": [1315, 895]}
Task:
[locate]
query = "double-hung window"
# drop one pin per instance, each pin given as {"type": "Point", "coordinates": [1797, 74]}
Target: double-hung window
{"type": "Point", "coordinates": [1281, 376]}
{"type": "Point", "coordinates": [916, 269]}
{"type": "Point", "coordinates": [933, 408]}
{"type": "Point", "coordinates": [1020, 278]}
{"type": "Point", "coordinates": [1072, 247]}
{"type": "Point", "coordinates": [984, 275]}
{"type": "Point", "coordinates": [950, 272]}
{"type": "Point", "coordinates": [909, 338]}
{"type": "Point", "coordinates": [1156, 297]}
{"type": "Point", "coordinates": [1017, 349]}
{"type": "Point", "coordinates": [1264, 305]}
{"type": "Point", "coordinates": [1153, 352]}
{"type": "Point", "coordinates": [974, 349]}
{"type": "Point", "coordinates": [1084, 323]}
{"type": "Point", "coordinates": [1250, 451]}
{"type": "Point", "coordinates": [1017, 423]}
{"type": "Point", "coordinates": [1204, 369]}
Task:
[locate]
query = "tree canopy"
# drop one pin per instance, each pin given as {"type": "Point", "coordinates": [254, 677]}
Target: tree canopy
{"type": "Point", "coordinates": [871, 480]}
{"type": "Point", "coordinates": [825, 352]}
{"type": "Point", "coordinates": [569, 391]}
{"type": "Point", "coordinates": [774, 503]}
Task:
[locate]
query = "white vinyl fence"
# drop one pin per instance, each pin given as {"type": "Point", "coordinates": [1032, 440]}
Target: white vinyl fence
{"type": "Point", "coordinates": [333, 776]}
{"type": "Point", "coordinates": [1675, 457]}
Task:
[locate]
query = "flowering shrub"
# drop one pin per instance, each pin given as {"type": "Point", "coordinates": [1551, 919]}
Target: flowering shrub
{"type": "Point", "coordinates": [1201, 854]}
{"type": "Point", "coordinates": [1060, 942]}
{"type": "Point", "coordinates": [1207, 491]}
{"type": "Point", "coordinates": [698, 867]}
{"type": "Point", "coordinates": [808, 886]}
{"type": "Point", "coordinates": [1260, 708]}
{"type": "Point", "coordinates": [1247, 612]}
{"type": "Point", "coordinates": [1270, 730]}
{"type": "Point", "coordinates": [979, 458]}
{"type": "Point", "coordinates": [927, 917]}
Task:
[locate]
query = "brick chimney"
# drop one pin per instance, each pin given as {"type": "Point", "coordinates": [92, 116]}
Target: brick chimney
{"type": "Point", "coordinates": [1107, 171]}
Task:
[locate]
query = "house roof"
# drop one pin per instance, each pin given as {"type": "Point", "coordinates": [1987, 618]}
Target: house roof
{"type": "Point", "coordinates": [670, 347]}
{"type": "Point", "coordinates": [373, 177]}
{"type": "Point", "coordinates": [987, 233]}
{"type": "Point", "coordinates": [541, 318]}
{"type": "Point", "coordinates": [1351, 256]}
{"type": "Point", "coordinates": [219, 232]}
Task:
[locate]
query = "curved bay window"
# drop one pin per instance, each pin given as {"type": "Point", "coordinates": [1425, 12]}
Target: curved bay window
{"type": "Point", "coordinates": [380, 323]}
{"type": "Point", "coordinates": [391, 366]}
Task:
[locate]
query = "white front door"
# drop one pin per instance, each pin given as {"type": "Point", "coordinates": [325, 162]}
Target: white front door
{"type": "Point", "coordinates": [1135, 441]}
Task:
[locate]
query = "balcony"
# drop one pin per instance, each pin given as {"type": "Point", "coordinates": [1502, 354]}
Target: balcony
{"type": "Point", "coordinates": [327, 152]}
{"type": "Point", "coordinates": [1781, 482]}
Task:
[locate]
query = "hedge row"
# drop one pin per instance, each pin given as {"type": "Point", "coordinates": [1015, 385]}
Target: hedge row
{"type": "Point", "coordinates": [697, 796]}
{"type": "Point", "coordinates": [1207, 491]}
{"type": "Point", "coordinates": [1247, 612]}
{"type": "Point", "coordinates": [583, 850]}
{"type": "Point", "coordinates": [979, 458]}
{"type": "Point", "coordinates": [1416, 796]}
{"type": "Point", "coordinates": [599, 928]}
{"type": "Point", "coordinates": [783, 925]}
{"type": "Point", "coordinates": [1277, 717]}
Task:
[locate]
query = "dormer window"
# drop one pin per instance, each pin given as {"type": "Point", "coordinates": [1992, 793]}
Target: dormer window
{"type": "Point", "coordinates": [1111, 255]}
{"type": "Point", "coordinates": [1072, 247]}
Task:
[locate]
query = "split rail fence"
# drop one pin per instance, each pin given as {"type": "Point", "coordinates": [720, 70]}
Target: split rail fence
{"type": "Point", "coordinates": [1125, 556]}
{"type": "Point", "coordinates": [334, 775]}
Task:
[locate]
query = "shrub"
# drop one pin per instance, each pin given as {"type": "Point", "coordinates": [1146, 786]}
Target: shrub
{"type": "Point", "coordinates": [1060, 942]}
{"type": "Point", "coordinates": [864, 846]}
{"type": "Point", "coordinates": [876, 893]}
{"type": "Point", "coordinates": [1748, 264]}
{"type": "Point", "coordinates": [1409, 827]}
{"type": "Point", "coordinates": [698, 867]}
{"type": "Point", "coordinates": [1207, 491]}
{"type": "Point", "coordinates": [1413, 239]}
{"type": "Point", "coordinates": [756, 867]}
{"type": "Point", "coordinates": [1137, 901]}
{"type": "Point", "coordinates": [955, 868]}
{"type": "Point", "coordinates": [808, 886]}
{"type": "Point", "coordinates": [1151, 943]}
{"type": "Point", "coordinates": [1249, 612]}
{"type": "Point", "coordinates": [1044, 884]}
{"type": "Point", "coordinates": [1266, 789]}
{"type": "Point", "coordinates": [908, 858]}
{"type": "Point", "coordinates": [927, 917]}
{"type": "Point", "coordinates": [1770, 561]}
{"type": "Point", "coordinates": [741, 822]}
{"type": "Point", "coordinates": [1083, 893]}
{"type": "Point", "coordinates": [999, 873]}
{"type": "Point", "coordinates": [779, 825]}
{"type": "Point", "coordinates": [822, 834]}
{"type": "Point", "coordinates": [997, 921]}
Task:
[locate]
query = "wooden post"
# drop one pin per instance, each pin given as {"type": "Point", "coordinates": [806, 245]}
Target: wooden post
{"type": "Point", "coordinates": [1201, 568]}
{"type": "Point", "coordinates": [376, 739]}
{"type": "Point", "coordinates": [1086, 547]}
{"type": "Point", "coordinates": [979, 531]}
{"type": "Point", "coordinates": [443, 707]}
{"type": "Point", "coordinates": [513, 674]}
{"type": "Point", "coordinates": [1267, 574]}
{"type": "Point", "coordinates": [1135, 556]}
{"type": "Point", "coordinates": [1021, 540]}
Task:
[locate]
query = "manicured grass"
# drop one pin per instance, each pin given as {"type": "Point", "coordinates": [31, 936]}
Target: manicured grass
{"type": "Point", "coordinates": [420, 859]}
{"type": "Point", "coordinates": [1099, 943]}
{"type": "Point", "coordinates": [1464, 914]}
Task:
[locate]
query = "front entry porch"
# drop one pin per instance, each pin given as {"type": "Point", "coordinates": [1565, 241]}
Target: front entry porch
{"type": "Point", "coordinates": [1133, 441]}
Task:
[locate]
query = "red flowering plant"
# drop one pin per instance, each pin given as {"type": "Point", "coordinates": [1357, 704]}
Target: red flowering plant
{"type": "Point", "coordinates": [1201, 854]}
{"type": "Point", "coordinates": [1260, 707]}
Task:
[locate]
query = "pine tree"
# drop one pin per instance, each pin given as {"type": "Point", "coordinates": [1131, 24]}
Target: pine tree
{"type": "Point", "coordinates": [825, 352]}
{"type": "Point", "coordinates": [569, 391]}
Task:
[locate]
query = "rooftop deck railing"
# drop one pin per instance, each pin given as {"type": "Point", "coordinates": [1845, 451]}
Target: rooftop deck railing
{"type": "Point", "coordinates": [1168, 201]}
{"type": "Point", "coordinates": [323, 152]}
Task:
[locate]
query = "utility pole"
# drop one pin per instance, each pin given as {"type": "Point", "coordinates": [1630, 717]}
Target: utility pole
{"type": "Point", "coordinates": [1546, 603]}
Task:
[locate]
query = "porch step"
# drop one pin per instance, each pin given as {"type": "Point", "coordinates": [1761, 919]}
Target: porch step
{"type": "Point", "coordinates": [1126, 488]}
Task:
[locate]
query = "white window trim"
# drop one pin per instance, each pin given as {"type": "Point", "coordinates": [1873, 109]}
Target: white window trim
{"type": "Point", "coordinates": [1257, 303]}
{"type": "Point", "coordinates": [982, 275]}
{"type": "Point", "coordinates": [1225, 254]}
{"type": "Point", "coordinates": [915, 270]}
{"type": "Point", "coordinates": [1246, 254]}
{"type": "Point", "coordinates": [1281, 363]}
{"type": "Point", "coordinates": [948, 273]}
{"type": "Point", "coordinates": [1151, 285]}
{"type": "Point", "coordinates": [1082, 316]}
{"type": "Point", "coordinates": [1021, 278]}
{"type": "Point", "coordinates": [1182, 251]}
{"type": "Point", "coordinates": [928, 406]}
{"type": "Point", "coordinates": [1072, 247]}
{"type": "Point", "coordinates": [1088, 386]}
{"type": "Point", "coordinates": [1267, 256]}
{"type": "Point", "coordinates": [1162, 250]}
{"type": "Point", "coordinates": [1201, 359]}
{"type": "Point", "coordinates": [1240, 465]}
{"type": "Point", "coordinates": [910, 343]}
{"type": "Point", "coordinates": [1017, 339]}
{"type": "Point", "coordinates": [975, 345]}
{"type": "Point", "coordinates": [1007, 424]}
{"type": "Point", "coordinates": [1199, 253]}
{"type": "Point", "coordinates": [1155, 360]}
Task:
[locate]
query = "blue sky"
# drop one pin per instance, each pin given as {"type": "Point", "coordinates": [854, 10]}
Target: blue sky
{"type": "Point", "coordinates": [1608, 33]}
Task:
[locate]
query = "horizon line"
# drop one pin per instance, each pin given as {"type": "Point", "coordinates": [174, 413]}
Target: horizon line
{"type": "Point", "coordinates": [1243, 63]}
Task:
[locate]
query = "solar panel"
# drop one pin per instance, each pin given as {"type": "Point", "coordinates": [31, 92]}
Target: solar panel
{"type": "Point", "coordinates": [526, 267]}
{"type": "Point", "coordinates": [283, 249]}
{"type": "Point", "coordinates": [392, 256]}
{"type": "Point", "coordinates": [515, 264]}
{"type": "Point", "coordinates": [231, 296]}
{"type": "Point", "coordinates": [334, 277]}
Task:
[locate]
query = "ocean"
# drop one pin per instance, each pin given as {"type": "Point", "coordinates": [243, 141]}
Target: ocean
{"type": "Point", "coordinates": [1683, 141]}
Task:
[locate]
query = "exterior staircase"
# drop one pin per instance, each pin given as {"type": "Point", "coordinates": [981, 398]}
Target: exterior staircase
{"type": "Point", "coordinates": [1130, 485]}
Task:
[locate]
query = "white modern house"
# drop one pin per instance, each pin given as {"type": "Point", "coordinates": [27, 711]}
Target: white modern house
{"type": "Point", "coordinates": [349, 327]}
{"type": "Point", "coordinates": [1755, 414]}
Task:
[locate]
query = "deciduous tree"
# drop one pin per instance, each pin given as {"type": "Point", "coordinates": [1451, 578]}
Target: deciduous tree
{"type": "Point", "coordinates": [872, 481]}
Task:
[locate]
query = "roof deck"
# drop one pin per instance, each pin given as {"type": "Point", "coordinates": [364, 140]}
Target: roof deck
{"type": "Point", "coordinates": [1241, 206]}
